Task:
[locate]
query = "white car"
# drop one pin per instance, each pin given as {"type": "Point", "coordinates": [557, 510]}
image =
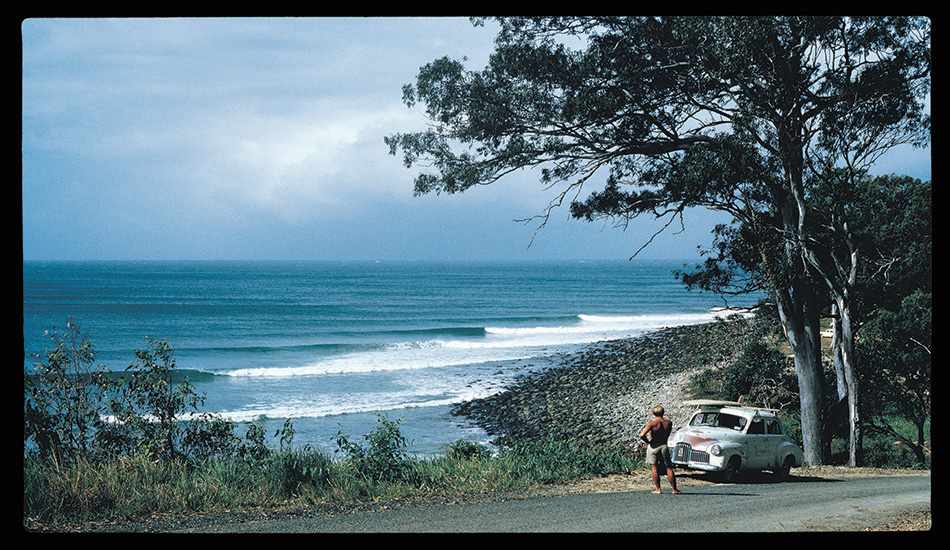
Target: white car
{"type": "Point", "coordinates": [727, 437]}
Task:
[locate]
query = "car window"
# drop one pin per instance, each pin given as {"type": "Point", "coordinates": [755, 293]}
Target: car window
{"type": "Point", "coordinates": [732, 421]}
{"type": "Point", "coordinates": [757, 426]}
{"type": "Point", "coordinates": [773, 428]}
{"type": "Point", "coordinates": [723, 420]}
{"type": "Point", "coordinates": [703, 419]}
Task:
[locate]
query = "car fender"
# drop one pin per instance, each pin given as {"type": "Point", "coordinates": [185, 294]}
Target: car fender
{"type": "Point", "coordinates": [787, 449]}
{"type": "Point", "coordinates": [731, 449]}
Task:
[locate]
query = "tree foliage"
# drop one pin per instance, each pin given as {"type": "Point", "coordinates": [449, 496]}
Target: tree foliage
{"type": "Point", "coordinates": [75, 409]}
{"type": "Point", "coordinates": [572, 95]}
{"type": "Point", "coordinates": [384, 457]}
{"type": "Point", "coordinates": [738, 114]}
{"type": "Point", "coordinates": [895, 346]}
{"type": "Point", "coordinates": [65, 397]}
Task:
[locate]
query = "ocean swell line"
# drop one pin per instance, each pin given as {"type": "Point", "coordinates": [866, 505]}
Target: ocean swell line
{"type": "Point", "coordinates": [499, 344]}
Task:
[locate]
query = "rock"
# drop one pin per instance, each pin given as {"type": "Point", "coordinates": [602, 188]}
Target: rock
{"type": "Point", "coordinates": [605, 393]}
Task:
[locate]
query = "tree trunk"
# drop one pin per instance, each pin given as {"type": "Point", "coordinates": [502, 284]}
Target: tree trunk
{"type": "Point", "coordinates": [842, 383]}
{"type": "Point", "coordinates": [803, 332]}
{"type": "Point", "coordinates": [840, 276]}
{"type": "Point", "coordinates": [798, 303]}
{"type": "Point", "coordinates": [846, 347]}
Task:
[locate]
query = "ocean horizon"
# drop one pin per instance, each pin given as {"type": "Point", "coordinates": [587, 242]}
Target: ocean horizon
{"type": "Point", "coordinates": [332, 344]}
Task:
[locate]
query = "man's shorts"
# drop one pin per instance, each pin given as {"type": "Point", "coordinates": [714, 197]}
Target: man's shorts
{"type": "Point", "coordinates": [661, 451]}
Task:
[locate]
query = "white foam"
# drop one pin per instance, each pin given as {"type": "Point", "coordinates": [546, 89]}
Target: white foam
{"type": "Point", "coordinates": [498, 344]}
{"type": "Point", "coordinates": [366, 403]}
{"type": "Point", "coordinates": [439, 385]}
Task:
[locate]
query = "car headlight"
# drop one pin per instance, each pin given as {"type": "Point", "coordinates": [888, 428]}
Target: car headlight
{"type": "Point", "coordinates": [715, 450]}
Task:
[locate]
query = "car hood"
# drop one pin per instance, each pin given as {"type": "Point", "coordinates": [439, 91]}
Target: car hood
{"type": "Point", "coordinates": [702, 436]}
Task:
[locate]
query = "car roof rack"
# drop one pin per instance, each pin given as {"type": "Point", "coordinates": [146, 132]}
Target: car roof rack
{"type": "Point", "coordinates": [712, 403]}
{"type": "Point", "coordinates": [720, 403]}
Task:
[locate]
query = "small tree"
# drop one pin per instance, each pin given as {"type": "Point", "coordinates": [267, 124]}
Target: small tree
{"type": "Point", "coordinates": [384, 458]}
{"type": "Point", "coordinates": [64, 398]}
{"type": "Point", "coordinates": [150, 404]}
{"type": "Point", "coordinates": [73, 408]}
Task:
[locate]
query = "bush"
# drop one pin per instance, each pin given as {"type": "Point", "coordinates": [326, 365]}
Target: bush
{"type": "Point", "coordinates": [64, 398]}
{"type": "Point", "coordinates": [75, 409]}
{"type": "Point", "coordinates": [467, 450]}
{"type": "Point", "coordinates": [759, 367]}
{"type": "Point", "coordinates": [384, 458]}
{"type": "Point", "coordinates": [148, 404]}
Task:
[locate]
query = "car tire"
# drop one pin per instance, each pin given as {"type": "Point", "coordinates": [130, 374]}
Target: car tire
{"type": "Point", "coordinates": [782, 472]}
{"type": "Point", "coordinates": [731, 470]}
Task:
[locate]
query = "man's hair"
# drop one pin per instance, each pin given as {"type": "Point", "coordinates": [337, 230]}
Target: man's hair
{"type": "Point", "coordinates": [658, 411]}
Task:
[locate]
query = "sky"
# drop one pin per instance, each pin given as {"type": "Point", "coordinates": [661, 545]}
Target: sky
{"type": "Point", "coordinates": [262, 139]}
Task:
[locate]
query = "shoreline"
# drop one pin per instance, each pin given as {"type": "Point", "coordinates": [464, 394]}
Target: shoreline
{"type": "Point", "coordinates": [604, 394]}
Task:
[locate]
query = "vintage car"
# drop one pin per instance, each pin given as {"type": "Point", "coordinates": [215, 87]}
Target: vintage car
{"type": "Point", "coordinates": [727, 437]}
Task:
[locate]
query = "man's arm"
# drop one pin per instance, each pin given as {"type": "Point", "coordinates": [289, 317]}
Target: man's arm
{"type": "Point", "coordinates": [644, 432]}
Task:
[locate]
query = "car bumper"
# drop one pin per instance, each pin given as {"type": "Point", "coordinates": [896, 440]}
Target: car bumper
{"type": "Point", "coordinates": [698, 466]}
{"type": "Point", "coordinates": [684, 456]}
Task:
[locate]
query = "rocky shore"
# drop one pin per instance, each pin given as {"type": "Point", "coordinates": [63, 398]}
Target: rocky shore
{"type": "Point", "coordinates": [604, 395]}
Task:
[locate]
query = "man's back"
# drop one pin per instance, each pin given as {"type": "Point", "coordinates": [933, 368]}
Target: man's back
{"type": "Point", "coordinates": [659, 429]}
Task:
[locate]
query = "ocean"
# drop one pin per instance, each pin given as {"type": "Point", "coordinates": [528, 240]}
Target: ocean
{"type": "Point", "coordinates": [332, 345]}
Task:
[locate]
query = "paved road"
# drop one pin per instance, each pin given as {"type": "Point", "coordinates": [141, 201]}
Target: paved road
{"type": "Point", "coordinates": [798, 505]}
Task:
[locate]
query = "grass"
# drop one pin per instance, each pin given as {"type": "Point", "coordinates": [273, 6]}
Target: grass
{"type": "Point", "coordinates": [63, 496]}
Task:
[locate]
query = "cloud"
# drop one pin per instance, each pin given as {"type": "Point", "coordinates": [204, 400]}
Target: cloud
{"type": "Point", "coordinates": [323, 156]}
{"type": "Point", "coordinates": [251, 111]}
{"type": "Point", "coordinates": [247, 137]}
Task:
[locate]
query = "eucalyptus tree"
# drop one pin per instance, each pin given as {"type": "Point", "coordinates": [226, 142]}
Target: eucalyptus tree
{"type": "Point", "coordinates": [893, 233]}
{"type": "Point", "coordinates": [729, 113]}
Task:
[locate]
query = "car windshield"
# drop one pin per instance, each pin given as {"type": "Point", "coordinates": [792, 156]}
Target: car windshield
{"type": "Point", "coordinates": [718, 419]}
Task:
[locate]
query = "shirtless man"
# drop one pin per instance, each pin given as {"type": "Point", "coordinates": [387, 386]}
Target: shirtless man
{"type": "Point", "coordinates": [658, 431]}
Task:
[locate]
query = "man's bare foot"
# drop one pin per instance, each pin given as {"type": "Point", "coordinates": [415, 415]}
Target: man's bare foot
{"type": "Point", "coordinates": [657, 492]}
{"type": "Point", "coordinates": [677, 492]}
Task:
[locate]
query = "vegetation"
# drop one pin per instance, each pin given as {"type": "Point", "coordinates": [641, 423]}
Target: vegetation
{"type": "Point", "coordinates": [75, 411]}
{"type": "Point", "coordinates": [104, 446]}
{"type": "Point", "coordinates": [896, 385]}
{"type": "Point", "coordinates": [773, 120]}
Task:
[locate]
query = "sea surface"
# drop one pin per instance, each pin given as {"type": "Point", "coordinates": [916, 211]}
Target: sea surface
{"type": "Point", "coordinates": [333, 345]}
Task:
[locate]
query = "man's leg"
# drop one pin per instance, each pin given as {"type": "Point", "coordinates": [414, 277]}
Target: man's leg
{"type": "Point", "coordinates": [669, 470]}
{"type": "Point", "coordinates": [672, 479]}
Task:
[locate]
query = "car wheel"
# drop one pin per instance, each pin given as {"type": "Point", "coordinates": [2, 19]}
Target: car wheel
{"type": "Point", "coordinates": [732, 468]}
{"type": "Point", "coordinates": [786, 467]}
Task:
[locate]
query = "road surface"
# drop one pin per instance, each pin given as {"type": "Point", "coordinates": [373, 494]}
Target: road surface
{"type": "Point", "coordinates": [800, 504]}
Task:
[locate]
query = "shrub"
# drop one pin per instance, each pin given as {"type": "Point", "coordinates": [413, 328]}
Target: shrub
{"type": "Point", "coordinates": [149, 403]}
{"type": "Point", "coordinates": [75, 409]}
{"type": "Point", "coordinates": [64, 398]}
{"type": "Point", "coordinates": [296, 470]}
{"type": "Point", "coordinates": [757, 364]}
{"type": "Point", "coordinates": [384, 458]}
{"type": "Point", "coordinates": [467, 450]}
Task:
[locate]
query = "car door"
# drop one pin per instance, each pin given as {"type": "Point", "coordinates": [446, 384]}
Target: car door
{"type": "Point", "coordinates": [774, 438]}
{"type": "Point", "coordinates": [758, 445]}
